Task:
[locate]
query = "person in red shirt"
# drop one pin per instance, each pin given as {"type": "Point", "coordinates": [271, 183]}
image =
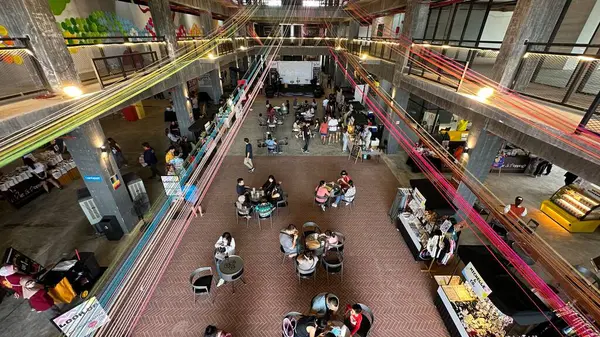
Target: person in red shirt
{"type": "Point", "coordinates": [515, 211]}
{"type": "Point", "coordinates": [344, 179]}
{"type": "Point", "coordinates": [24, 286]}
{"type": "Point", "coordinates": [354, 318]}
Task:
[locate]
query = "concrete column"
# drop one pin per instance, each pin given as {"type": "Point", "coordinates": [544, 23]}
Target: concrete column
{"type": "Point", "coordinates": [163, 23]}
{"type": "Point", "coordinates": [413, 26]}
{"type": "Point", "coordinates": [245, 62]}
{"type": "Point", "coordinates": [400, 98]}
{"type": "Point", "coordinates": [339, 77]}
{"type": "Point", "coordinates": [97, 168]}
{"type": "Point", "coordinates": [206, 22]}
{"type": "Point", "coordinates": [352, 30]}
{"type": "Point", "coordinates": [34, 19]}
{"type": "Point", "coordinates": [483, 148]}
{"type": "Point", "coordinates": [215, 82]}
{"type": "Point", "coordinates": [532, 20]}
{"type": "Point", "coordinates": [183, 109]}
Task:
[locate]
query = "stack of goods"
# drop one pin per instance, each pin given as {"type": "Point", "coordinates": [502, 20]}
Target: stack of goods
{"type": "Point", "coordinates": [13, 178]}
{"type": "Point", "coordinates": [481, 317]}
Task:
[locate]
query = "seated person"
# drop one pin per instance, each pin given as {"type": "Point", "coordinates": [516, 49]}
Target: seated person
{"type": "Point", "coordinates": [288, 239]}
{"type": "Point", "coordinates": [307, 262]}
{"type": "Point", "coordinates": [262, 121]}
{"type": "Point", "coordinates": [344, 179]}
{"type": "Point", "coordinates": [224, 247]}
{"type": "Point", "coordinates": [322, 194]}
{"type": "Point", "coordinates": [347, 195]}
{"type": "Point", "coordinates": [354, 318]}
{"type": "Point", "coordinates": [243, 206]}
{"type": "Point", "coordinates": [296, 128]}
{"type": "Point", "coordinates": [272, 145]}
{"type": "Point", "coordinates": [264, 209]}
{"type": "Point", "coordinates": [325, 305]}
{"type": "Point", "coordinates": [241, 188]}
{"type": "Point", "coordinates": [269, 185]}
{"type": "Point", "coordinates": [309, 326]}
{"type": "Point", "coordinates": [277, 194]}
{"type": "Point", "coordinates": [331, 239]}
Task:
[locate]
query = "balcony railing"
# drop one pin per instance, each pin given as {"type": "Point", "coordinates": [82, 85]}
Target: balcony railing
{"type": "Point", "coordinates": [21, 72]}
{"type": "Point", "coordinates": [300, 3]}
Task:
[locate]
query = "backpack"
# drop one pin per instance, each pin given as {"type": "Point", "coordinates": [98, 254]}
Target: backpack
{"type": "Point", "coordinates": [289, 327]}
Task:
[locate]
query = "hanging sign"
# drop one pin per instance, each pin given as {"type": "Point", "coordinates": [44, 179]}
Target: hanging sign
{"type": "Point", "coordinates": [82, 320]}
{"type": "Point", "coordinates": [481, 289]}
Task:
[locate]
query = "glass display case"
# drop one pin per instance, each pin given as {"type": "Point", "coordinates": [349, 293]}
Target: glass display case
{"type": "Point", "coordinates": [578, 202]}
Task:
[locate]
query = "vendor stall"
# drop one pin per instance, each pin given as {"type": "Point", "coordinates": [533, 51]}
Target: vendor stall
{"type": "Point", "coordinates": [575, 207]}
{"type": "Point", "coordinates": [20, 186]}
{"type": "Point", "coordinates": [486, 300]}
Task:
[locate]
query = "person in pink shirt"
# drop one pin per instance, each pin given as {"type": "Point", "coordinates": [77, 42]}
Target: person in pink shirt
{"type": "Point", "coordinates": [322, 194]}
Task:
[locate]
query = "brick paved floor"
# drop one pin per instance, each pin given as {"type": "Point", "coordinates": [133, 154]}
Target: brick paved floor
{"type": "Point", "coordinates": [379, 270]}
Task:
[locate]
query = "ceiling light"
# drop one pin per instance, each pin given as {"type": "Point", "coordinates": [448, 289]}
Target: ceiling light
{"type": "Point", "coordinates": [211, 56]}
{"type": "Point", "coordinates": [363, 56]}
{"type": "Point", "coordinates": [445, 46]}
{"type": "Point", "coordinates": [586, 58]}
{"type": "Point", "coordinates": [243, 48]}
{"type": "Point", "coordinates": [72, 91]}
{"type": "Point", "coordinates": [485, 93]}
{"type": "Point", "coordinates": [338, 48]}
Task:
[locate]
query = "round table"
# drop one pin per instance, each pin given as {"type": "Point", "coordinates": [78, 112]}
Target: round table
{"type": "Point", "coordinates": [232, 269]}
{"type": "Point", "coordinates": [339, 329]}
{"type": "Point", "coordinates": [313, 239]}
{"type": "Point", "coordinates": [255, 197]}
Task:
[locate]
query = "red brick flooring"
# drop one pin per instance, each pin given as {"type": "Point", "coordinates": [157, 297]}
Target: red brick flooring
{"type": "Point", "coordinates": [378, 268]}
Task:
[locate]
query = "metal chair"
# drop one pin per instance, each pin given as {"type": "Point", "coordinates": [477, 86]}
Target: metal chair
{"type": "Point", "coordinates": [285, 254]}
{"type": "Point", "coordinates": [261, 218]}
{"type": "Point", "coordinates": [310, 228]}
{"type": "Point", "coordinates": [201, 284]}
{"type": "Point", "coordinates": [238, 216]}
{"type": "Point", "coordinates": [306, 275]}
{"type": "Point", "coordinates": [283, 203]}
{"type": "Point", "coordinates": [367, 322]}
{"type": "Point", "coordinates": [334, 268]}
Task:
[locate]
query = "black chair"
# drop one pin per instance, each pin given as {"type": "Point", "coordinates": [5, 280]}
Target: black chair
{"type": "Point", "coordinates": [283, 203]}
{"type": "Point", "coordinates": [261, 218]}
{"type": "Point", "coordinates": [333, 267]}
{"type": "Point", "coordinates": [200, 283]}
{"type": "Point", "coordinates": [309, 228]}
{"type": "Point", "coordinates": [306, 275]}
{"type": "Point", "coordinates": [238, 216]}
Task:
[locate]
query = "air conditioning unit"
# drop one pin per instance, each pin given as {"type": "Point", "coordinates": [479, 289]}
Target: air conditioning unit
{"type": "Point", "coordinates": [88, 205]}
{"type": "Point", "coordinates": [137, 192]}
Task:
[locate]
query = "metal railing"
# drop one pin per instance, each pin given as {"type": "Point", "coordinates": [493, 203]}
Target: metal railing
{"type": "Point", "coordinates": [90, 41]}
{"type": "Point", "coordinates": [300, 3]}
{"type": "Point", "coordinates": [113, 69]}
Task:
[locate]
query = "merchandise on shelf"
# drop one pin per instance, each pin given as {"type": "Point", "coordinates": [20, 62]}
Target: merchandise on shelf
{"type": "Point", "coordinates": [575, 207]}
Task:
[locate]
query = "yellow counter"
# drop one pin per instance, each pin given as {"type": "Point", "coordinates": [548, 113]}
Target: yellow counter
{"type": "Point", "coordinates": [566, 220]}
{"type": "Point", "coordinates": [457, 136]}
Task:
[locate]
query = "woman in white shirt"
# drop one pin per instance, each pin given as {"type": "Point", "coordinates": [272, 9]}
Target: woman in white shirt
{"type": "Point", "coordinates": [333, 130]}
{"type": "Point", "coordinates": [38, 170]}
{"type": "Point", "coordinates": [224, 247]}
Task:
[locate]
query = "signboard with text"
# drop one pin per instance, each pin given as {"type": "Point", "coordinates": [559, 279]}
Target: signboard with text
{"type": "Point", "coordinates": [481, 289]}
{"type": "Point", "coordinates": [172, 186]}
{"type": "Point", "coordinates": [82, 320]}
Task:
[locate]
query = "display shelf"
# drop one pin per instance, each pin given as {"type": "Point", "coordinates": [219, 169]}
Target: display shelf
{"type": "Point", "coordinates": [408, 233]}
{"type": "Point", "coordinates": [449, 316]}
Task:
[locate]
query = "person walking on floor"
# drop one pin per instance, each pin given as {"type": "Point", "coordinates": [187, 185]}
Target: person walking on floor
{"type": "Point", "coordinates": [150, 160]}
{"type": "Point", "coordinates": [248, 156]}
{"type": "Point", "coordinates": [306, 136]}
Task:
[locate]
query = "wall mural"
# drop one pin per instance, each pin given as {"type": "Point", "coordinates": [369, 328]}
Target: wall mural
{"type": "Point", "coordinates": [7, 57]}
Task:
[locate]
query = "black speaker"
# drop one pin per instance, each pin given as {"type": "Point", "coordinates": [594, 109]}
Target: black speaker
{"type": "Point", "coordinates": [89, 265]}
{"type": "Point", "coordinates": [109, 225]}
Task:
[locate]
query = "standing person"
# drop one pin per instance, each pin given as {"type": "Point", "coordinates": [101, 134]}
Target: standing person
{"type": "Point", "coordinates": [248, 156]}
{"type": "Point", "coordinates": [333, 129]}
{"type": "Point", "coordinates": [117, 153]}
{"type": "Point", "coordinates": [177, 163]}
{"type": "Point", "coordinates": [195, 107]}
{"type": "Point", "coordinates": [151, 160]}
{"type": "Point", "coordinates": [345, 140]}
{"type": "Point", "coordinates": [329, 82]}
{"type": "Point", "coordinates": [323, 131]}
{"type": "Point", "coordinates": [325, 103]}
{"type": "Point", "coordinates": [170, 154]}
{"type": "Point", "coordinates": [191, 195]}
{"type": "Point", "coordinates": [39, 171]}
{"type": "Point", "coordinates": [306, 136]}
{"type": "Point", "coordinates": [516, 211]}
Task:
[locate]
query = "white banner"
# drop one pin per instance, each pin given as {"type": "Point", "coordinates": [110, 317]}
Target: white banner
{"type": "Point", "coordinates": [481, 289]}
{"type": "Point", "coordinates": [82, 320]}
{"type": "Point", "coordinates": [172, 186]}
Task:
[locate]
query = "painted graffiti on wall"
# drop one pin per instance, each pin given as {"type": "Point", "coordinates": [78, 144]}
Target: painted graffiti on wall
{"type": "Point", "coordinates": [8, 58]}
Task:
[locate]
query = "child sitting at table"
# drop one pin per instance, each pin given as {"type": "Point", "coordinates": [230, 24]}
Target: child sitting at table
{"type": "Point", "coordinates": [331, 239]}
{"type": "Point", "coordinates": [354, 318]}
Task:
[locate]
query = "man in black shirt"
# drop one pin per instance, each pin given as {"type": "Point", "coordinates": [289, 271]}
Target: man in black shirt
{"type": "Point", "coordinates": [241, 189]}
{"type": "Point", "coordinates": [306, 135]}
{"type": "Point", "coordinates": [248, 156]}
